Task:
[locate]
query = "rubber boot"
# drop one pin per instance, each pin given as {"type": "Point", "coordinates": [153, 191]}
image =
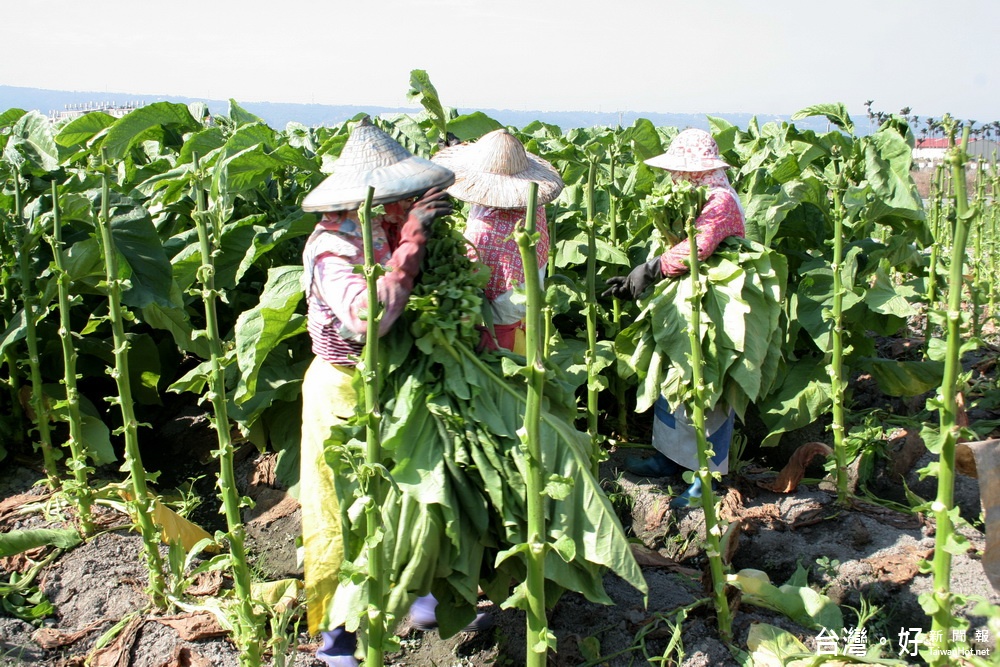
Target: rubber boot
{"type": "Point", "coordinates": [693, 491]}
{"type": "Point", "coordinates": [656, 465]}
{"type": "Point", "coordinates": [423, 616]}
{"type": "Point", "coordinates": [338, 648]}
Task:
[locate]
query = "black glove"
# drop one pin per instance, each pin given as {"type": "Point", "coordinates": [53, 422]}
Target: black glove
{"type": "Point", "coordinates": [638, 279]}
{"type": "Point", "coordinates": [432, 205]}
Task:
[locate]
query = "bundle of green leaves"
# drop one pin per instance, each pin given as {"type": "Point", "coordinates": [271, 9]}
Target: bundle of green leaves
{"type": "Point", "coordinates": [670, 206]}
{"type": "Point", "coordinates": [455, 519]}
{"type": "Point", "coordinates": [742, 331]}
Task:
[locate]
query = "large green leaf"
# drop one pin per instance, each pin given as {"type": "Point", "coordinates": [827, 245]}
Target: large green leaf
{"type": "Point", "coordinates": [888, 158]}
{"type": "Point", "coordinates": [273, 320]}
{"type": "Point", "coordinates": [804, 395]}
{"type": "Point", "coordinates": [836, 113]}
{"type": "Point", "coordinates": [82, 129]}
{"type": "Point", "coordinates": [135, 238]}
{"type": "Point", "coordinates": [136, 125]}
{"type": "Point", "coordinates": [241, 116]}
{"type": "Point", "coordinates": [905, 378]}
{"type": "Point", "coordinates": [18, 541]}
{"type": "Point", "coordinates": [470, 127]}
{"type": "Point", "coordinates": [32, 140]}
{"type": "Point", "coordinates": [423, 92]}
{"type": "Point", "coordinates": [177, 322]}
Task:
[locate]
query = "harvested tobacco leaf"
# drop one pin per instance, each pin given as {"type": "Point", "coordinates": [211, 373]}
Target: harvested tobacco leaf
{"type": "Point", "coordinates": [793, 472]}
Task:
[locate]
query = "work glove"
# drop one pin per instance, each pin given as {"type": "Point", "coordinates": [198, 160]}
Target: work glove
{"type": "Point", "coordinates": [636, 282]}
{"type": "Point", "coordinates": [406, 259]}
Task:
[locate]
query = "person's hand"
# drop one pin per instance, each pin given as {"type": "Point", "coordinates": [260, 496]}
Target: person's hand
{"type": "Point", "coordinates": [635, 283]}
{"type": "Point", "coordinates": [432, 205]}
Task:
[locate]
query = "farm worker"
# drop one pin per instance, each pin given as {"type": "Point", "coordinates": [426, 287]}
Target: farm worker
{"type": "Point", "coordinates": [411, 190]}
{"type": "Point", "coordinates": [493, 175]}
{"type": "Point", "coordinates": [693, 156]}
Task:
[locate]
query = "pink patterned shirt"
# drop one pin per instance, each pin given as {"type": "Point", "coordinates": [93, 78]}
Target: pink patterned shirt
{"type": "Point", "coordinates": [491, 232]}
{"type": "Point", "coordinates": [336, 295]}
{"type": "Point", "coordinates": [721, 217]}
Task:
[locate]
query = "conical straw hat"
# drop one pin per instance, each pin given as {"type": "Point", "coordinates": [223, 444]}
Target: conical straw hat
{"type": "Point", "coordinates": [496, 171]}
{"type": "Point", "coordinates": [691, 150]}
{"type": "Point", "coordinates": [373, 158]}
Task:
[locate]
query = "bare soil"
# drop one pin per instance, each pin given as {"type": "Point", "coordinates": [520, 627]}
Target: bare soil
{"type": "Point", "coordinates": [862, 554]}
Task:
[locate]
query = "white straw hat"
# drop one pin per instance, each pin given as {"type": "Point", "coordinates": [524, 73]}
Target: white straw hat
{"type": "Point", "coordinates": [691, 150]}
{"type": "Point", "coordinates": [373, 158]}
{"type": "Point", "coordinates": [496, 171]}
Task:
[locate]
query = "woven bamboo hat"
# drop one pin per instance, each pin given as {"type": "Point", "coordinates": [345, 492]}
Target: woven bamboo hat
{"type": "Point", "coordinates": [373, 158]}
{"type": "Point", "coordinates": [496, 171]}
{"type": "Point", "coordinates": [691, 150]}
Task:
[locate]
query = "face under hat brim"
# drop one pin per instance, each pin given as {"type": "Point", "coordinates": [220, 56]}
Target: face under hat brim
{"type": "Point", "coordinates": [675, 163]}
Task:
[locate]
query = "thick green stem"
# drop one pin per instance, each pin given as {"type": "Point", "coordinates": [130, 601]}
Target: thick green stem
{"type": "Point", "coordinates": [251, 636]}
{"type": "Point", "coordinates": [79, 490]}
{"type": "Point", "coordinates": [592, 390]}
{"type": "Point", "coordinates": [713, 528]}
{"type": "Point", "coordinates": [616, 308]}
{"type": "Point", "coordinates": [994, 190]}
{"type": "Point", "coordinates": [538, 632]}
{"type": "Point", "coordinates": [377, 621]}
{"type": "Point", "coordinates": [977, 265]}
{"type": "Point", "coordinates": [941, 618]}
{"type": "Point", "coordinates": [38, 403]}
{"type": "Point", "coordinates": [936, 243]}
{"type": "Point", "coordinates": [837, 381]}
{"type": "Point", "coordinates": [142, 503]}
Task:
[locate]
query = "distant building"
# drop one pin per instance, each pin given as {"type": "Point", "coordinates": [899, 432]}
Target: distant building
{"type": "Point", "coordinates": [930, 152]}
{"type": "Point", "coordinates": [76, 110]}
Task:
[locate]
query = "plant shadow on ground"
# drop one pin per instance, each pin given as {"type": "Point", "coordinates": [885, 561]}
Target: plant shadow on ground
{"type": "Point", "coordinates": [865, 554]}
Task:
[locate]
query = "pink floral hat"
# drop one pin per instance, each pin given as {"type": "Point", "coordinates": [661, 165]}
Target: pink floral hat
{"type": "Point", "coordinates": [691, 150]}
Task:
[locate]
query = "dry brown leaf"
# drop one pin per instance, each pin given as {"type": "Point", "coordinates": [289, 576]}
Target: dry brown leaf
{"type": "Point", "coordinates": [116, 654]}
{"type": "Point", "coordinates": [50, 638]}
{"type": "Point", "coordinates": [899, 568]}
{"type": "Point", "coordinates": [659, 512]}
{"type": "Point", "coordinates": [13, 503]}
{"type": "Point", "coordinates": [185, 657]}
{"type": "Point", "coordinates": [965, 460]}
{"type": "Point", "coordinates": [192, 626]}
{"type": "Point", "coordinates": [987, 462]}
{"type": "Point", "coordinates": [271, 505]}
{"type": "Point", "coordinates": [905, 451]}
{"type": "Point", "coordinates": [206, 583]}
{"type": "Point", "coordinates": [731, 541]}
{"type": "Point", "coordinates": [793, 472]}
{"type": "Point", "coordinates": [646, 557]}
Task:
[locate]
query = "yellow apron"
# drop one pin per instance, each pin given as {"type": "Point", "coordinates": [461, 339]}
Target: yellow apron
{"type": "Point", "coordinates": [328, 399]}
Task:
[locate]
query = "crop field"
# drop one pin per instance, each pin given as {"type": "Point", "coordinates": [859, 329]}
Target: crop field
{"type": "Point", "coordinates": [153, 345]}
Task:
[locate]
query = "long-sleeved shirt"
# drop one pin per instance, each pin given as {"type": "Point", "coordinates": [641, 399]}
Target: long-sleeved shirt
{"type": "Point", "coordinates": [336, 295]}
{"type": "Point", "coordinates": [721, 217]}
{"type": "Point", "coordinates": [490, 231]}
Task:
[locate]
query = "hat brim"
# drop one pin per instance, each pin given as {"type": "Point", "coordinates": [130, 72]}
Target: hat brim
{"type": "Point", "coordinates": [671, 163]}
{"type": "Point", "coordinates": [498, 190]}
{"type": "Point", "coordinates": [403, 179]}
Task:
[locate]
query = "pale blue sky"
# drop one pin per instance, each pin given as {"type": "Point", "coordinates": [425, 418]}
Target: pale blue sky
{"type": "Point", "coordinates": [766, 57]}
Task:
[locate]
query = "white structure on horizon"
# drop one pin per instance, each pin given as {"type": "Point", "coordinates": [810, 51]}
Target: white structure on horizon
{"type": "Point", "coordinates": [111, 108]}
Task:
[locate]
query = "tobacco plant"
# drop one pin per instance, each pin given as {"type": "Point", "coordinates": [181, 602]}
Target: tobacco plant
{"type": "Point", "coordinates": [141, 503]}
{"type": "Point", "coordinates": [78, 488]}
{"type": "Point", "coordinates": [249, 625]}
{"type": "Point", "coordinates": [938, 604]}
